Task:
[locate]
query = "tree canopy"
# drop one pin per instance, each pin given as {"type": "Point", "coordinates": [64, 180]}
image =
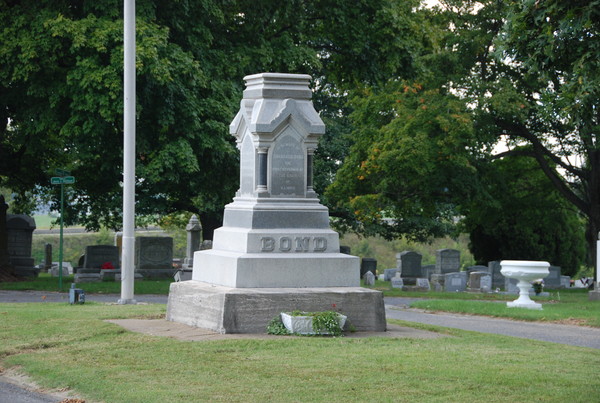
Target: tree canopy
{"type": "Point", "coordinates": [61, 90]}
{"type": "Point", "coordinates": [510, 73]}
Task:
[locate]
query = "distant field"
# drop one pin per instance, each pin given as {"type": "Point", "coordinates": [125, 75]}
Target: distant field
{"type": "Point", "coordinates": [44, 221]}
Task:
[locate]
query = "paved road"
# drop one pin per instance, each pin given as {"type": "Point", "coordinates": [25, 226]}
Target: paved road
{"type": "Point", "coordinates": [11, 393]}
{"type": "Point", "coordinates": [564, 334]}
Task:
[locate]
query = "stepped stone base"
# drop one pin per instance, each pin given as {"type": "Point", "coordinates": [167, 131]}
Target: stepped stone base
{"type": "Point", "coordinates": [249, 310]}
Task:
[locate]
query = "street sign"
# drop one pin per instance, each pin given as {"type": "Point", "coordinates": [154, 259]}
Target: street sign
{"type": "Point", "coordinates": [67, 180]}
{"type": "Point", "coordinates": [62, 172]}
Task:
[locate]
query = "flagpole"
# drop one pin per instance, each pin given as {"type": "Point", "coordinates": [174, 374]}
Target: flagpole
{"type": "Point", "coordinates": [128, 247]}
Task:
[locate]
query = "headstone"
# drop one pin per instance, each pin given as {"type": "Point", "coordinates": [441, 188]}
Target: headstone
{"type": "Point", "coordinates": [194, 239]}
{"type": "Point", "coordinates": [65, 265]}
{"type": "Point", "coordinates": [485, 282]}
{"type": "Point", "coordinates": [397, 282]}
{"type": "Point", "coordinates": [447, 261]}
{"type": "Point", "coordinates": [480, 281]}
{"type": "Point", "coordinates": [437, 281]}
{"type": "Point", "coordinates": [497, 276]}
{"type": "Point", "coordinates": [275, 248]}
{"type": "Point", "coordinates": [455, 282]}
{"type": "Point", "coordinates": [389, 274]}
{"type": "Point", "coordinates": [19, 230]}
{"type": "Point", "coordinates": [55, 270]}
{"type": "Point", "coordinates": [4, 259]}
{"type": "Point", "coordinates": [409, 264]}
{"type": "Point", "coordinates": [98, 255]}
{"type": "Point", "coordinates": [427, 271]}
{"type": "Point", "coordinates": [345, 250]}
{"type": "Point", "coordinates": [510, 285]}
{"type": "Point", "coordinates": [47, 257]}
{"type": "Point", "coordinates": [87, 277]}
{"type": "Point", "coordinates": [368, 264]}
{"type": "Point", "coordinates": [369, 278]}
{"type": "Point", "coordinates": [154, 257]}
{"type": "Point", "coordinates": [475, 268]}
{"type": "Point", "coordinates": [423, 284]}
{"type": "Point", "coordinates": [552, 280]}
{"type": "Point", "coordinates": [565, 281]}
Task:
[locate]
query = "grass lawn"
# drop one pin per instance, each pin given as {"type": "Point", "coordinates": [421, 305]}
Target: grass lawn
{"type": "Point", "coordinates": [64, 346]}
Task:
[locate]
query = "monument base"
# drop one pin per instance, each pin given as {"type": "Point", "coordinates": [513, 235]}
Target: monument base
{"type": "Point", "coordinates": [594, 295]}
{"type": "Point", "coordinates": [249, 310]}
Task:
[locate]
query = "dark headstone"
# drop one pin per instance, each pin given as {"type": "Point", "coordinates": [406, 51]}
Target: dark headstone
{"type": "Point", "coordinates": [447, 261]}
{"type": "Point", "coordinates": [47, 257]}
{"type": "Point", "coordinates": [409, 264]}
{"type": "Point", "coordinates": [154, 257]}
{"type": "Point", "coordinates": [497, 277]}
{"type": "Point", "coordinates": [4, 260]}
{"type": "Point", "coordinates": [552, 280]}
{"type": "Point", "coordinates": [19, 229]}
{"type": "Point", "coordinates": [98, 255]}
{"type": "Point", "coordinates": [368, 264]}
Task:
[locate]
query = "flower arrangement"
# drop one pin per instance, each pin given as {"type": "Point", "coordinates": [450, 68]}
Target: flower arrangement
{"type": "Point", "coordinates": [107, 266]}
{"type": "Point", "coordinates": [538, 286]}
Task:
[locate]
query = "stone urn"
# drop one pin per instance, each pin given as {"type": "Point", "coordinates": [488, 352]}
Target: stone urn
{"type": "Point", "coordinates": [525, 271]}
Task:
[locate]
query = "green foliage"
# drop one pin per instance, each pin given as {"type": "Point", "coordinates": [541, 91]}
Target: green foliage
{"type": "Point", "coordinates": [276, 327]}
{"type": "Point", "coordinates": [522, 217]}
{"type": "Point", "coordinates": [326, 322]}
{"type": "Point", "coordinates": [411, 162]}
{"type": "Point", "coordinates": [61, 91]}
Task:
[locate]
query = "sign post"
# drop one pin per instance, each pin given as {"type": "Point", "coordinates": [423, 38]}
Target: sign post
{"type": "Point", "coordinates": [62, 180]}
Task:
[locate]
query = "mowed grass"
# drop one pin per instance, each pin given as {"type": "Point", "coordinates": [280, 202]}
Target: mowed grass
{"type": "Point", "coordinates": [64, 346]}
{"type": "Point", "coordinates": [45, 282]}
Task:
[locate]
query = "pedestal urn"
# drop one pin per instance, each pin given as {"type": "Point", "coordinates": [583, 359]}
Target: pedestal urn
{"type": "Point", "coordinates": [525, 271]}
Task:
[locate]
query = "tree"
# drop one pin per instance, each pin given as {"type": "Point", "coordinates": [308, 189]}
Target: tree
{"type": "Point", "coordinates": [545, 94]}
{"type": "Point", "coordinates": [524, 73]}
{"type": "Point", "coordinates": [410, 165]}
{"type": "Point", "coordinates": [523, 217]}
{"type": "Point", "coordinates": [61, 102]}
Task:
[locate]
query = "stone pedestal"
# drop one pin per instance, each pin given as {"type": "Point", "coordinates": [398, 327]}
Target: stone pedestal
{"type": "Point", "coordinates": [249, 310]}
{"type": "Point", "coordinates": [275, 250]}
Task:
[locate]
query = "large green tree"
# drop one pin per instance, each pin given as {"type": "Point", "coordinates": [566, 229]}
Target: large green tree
{"type": "Point", "coordinates": [61, 90]}
{"type": "Point", "coordinates": [521, 216]}
{"type": "Point", "coordinates": [509, 73]}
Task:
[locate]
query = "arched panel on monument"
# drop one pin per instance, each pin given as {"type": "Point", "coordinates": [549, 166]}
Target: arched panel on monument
{"type": "Point", "coordinates": [288, 164]}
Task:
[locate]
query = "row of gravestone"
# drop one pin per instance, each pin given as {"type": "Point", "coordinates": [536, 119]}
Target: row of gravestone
{"type": "Point", "coordinates": [153, 259]}
{"type": "Point", "coordinates": [446, 275]}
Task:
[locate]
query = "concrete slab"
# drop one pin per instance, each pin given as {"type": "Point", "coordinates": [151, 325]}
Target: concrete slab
{"type": "Point", "coordinates": [179, 331]}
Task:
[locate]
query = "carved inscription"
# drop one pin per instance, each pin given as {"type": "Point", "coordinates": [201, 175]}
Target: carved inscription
{"type": "Point", "coordinates": [287, 167]}
{"type": "Point", "coordinates": [293, 244]}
